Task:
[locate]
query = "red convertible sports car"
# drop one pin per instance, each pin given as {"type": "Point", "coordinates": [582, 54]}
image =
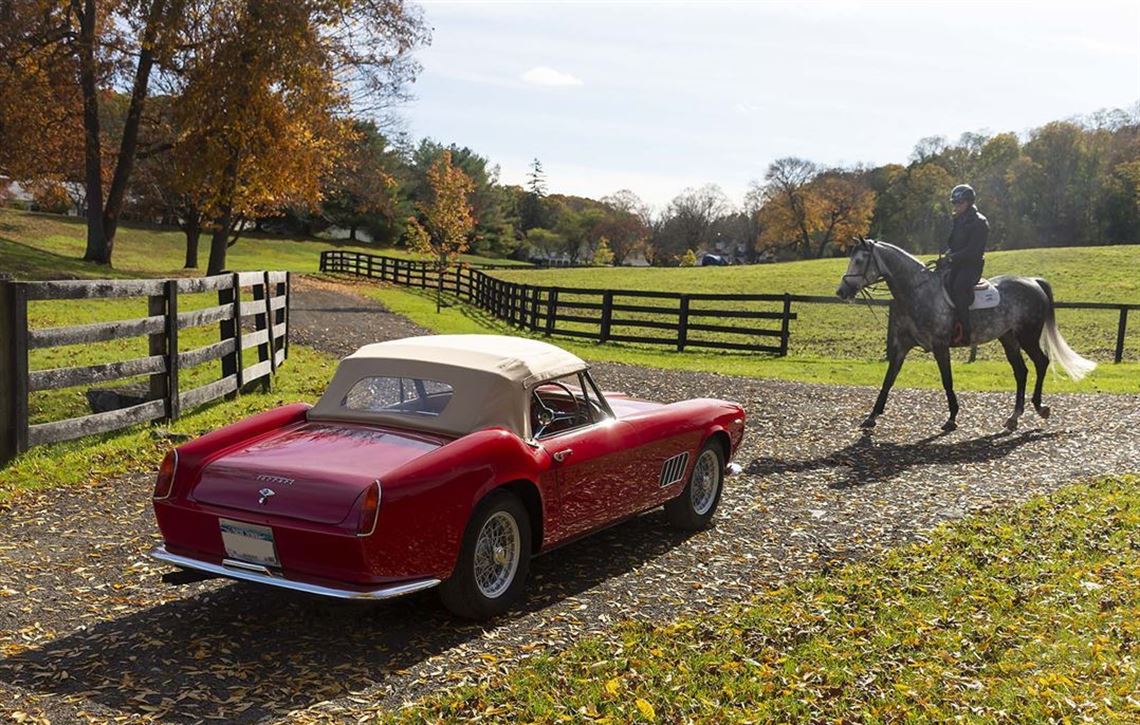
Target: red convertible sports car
{"type": "Point", "coordinates": [443, 461]}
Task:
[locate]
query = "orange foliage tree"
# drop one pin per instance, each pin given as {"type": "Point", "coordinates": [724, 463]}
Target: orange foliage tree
{"type": "Point", "coordinates": [446, 217]}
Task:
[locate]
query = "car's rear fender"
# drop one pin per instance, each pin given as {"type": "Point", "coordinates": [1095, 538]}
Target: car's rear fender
{"type": "Point", "coordinates": [193, 456]}
{"type": "Point", "coordinates": [425, 504]}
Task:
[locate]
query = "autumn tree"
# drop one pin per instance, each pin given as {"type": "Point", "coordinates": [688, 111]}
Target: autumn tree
{"type": "Point", "coordinates": [786, 214]}
{"type": "Point", "coordinates": [261, 124]}
{"type": "Point", "coordinates": [445, 220]}
{"type": "Point", "coordinates": [494, 232]}
{"type": "Point", "coordinates": [624, 225]}
{"type": "Point", "coordinates": [603, 255]}
{"type": "Point", "coordinates": [83, 46]}
{"type": "Point", "coordinates": [813, 210]}
{"type": "Point", "coordinates": [41, 132]}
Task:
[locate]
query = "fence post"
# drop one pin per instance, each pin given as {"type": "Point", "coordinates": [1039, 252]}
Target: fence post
{"type": "Point", "coordinates": [285, 310]}
{"type": "Point", "coordinates": [533, 308]}
{"type": "Point", "coordinates": [607, 316]}
{"type": "Point", "coordinates": [13, 370]}
{"type": "Point", "coordinates": [231, 329]}
{"type": "Point", "coordinates": [784, 325]}
{"type": "Point", "coordinates": [683, 324]}
{"type": "Point", "coordinates": [1121, 328]}
{"type": "Point", "coordinates": [173, 369]}
{"type": "Point", "coordinates": [271, 343]}
{"type": "Point", "coordinates": [157, 345]}
{"type": "Point", "coordinates": [551, 309]}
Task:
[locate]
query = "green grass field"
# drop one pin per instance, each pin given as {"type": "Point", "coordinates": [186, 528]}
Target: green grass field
{"type": "Point", "coordinates": [920, 371]}
{"type": "Point", "coordinates": [1029, 615]}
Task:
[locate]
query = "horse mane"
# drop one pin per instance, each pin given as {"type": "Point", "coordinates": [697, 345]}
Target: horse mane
{"type": "Point", "coordinates": [918, 262]}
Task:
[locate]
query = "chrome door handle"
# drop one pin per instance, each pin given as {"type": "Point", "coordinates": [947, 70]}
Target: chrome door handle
{"type": "Point", "coordinates": [562, 455]}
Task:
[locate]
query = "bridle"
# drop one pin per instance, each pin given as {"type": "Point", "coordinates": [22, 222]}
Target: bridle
{"type": "Point", "coordinates": [868, 289]}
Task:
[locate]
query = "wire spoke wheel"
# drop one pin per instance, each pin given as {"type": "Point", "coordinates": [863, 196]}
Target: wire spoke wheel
{"type": "Point", "coordinates": [705, 483]}
{"type": "Point", "coordinates": [497, 551]}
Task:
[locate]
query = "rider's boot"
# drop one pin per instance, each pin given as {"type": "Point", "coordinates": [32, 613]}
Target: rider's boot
{"type": "Point", "coordinates": [960, 337]}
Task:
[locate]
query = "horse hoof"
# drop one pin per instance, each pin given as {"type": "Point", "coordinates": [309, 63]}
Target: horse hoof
{"type": "Point", "coordinates": [1044, 411]}
{"type": "Point", "coordinates": [868, 424]}
{"type": "Point", "coordinates": [949, 426]}
{"type": "Point", "coordinates": [1011, 424]}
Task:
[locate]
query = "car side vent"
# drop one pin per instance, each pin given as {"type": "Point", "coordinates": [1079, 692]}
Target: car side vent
{"type": "Point", "coordinates": [674, 469]}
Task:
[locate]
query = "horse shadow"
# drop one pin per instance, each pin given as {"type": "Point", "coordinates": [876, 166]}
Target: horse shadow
{"type": "Point", "coordinates": [866, 460]}
{"type": "Point", "coordinates": [242, 653]}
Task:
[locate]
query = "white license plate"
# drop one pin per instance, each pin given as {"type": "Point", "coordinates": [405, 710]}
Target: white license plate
{"type": "Point", "coordinates": [249, 542]}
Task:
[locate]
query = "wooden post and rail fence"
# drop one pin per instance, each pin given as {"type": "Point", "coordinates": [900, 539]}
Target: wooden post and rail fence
{"type": "Point", "coordinates": [679, 320]}
{"type": "Point", "coordinates": [267, 303]}
{"type": "Point", "coordinates": [595, 313]}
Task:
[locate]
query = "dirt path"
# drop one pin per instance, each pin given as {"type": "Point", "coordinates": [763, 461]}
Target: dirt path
{"type": "Point", "coordinates": [87, 630]}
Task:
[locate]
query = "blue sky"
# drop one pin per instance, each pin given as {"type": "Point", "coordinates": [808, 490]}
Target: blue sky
{"type": "Point", "coordinates": [656, 97]}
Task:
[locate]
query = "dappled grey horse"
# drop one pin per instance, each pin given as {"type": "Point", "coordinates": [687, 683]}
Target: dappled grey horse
{"type": "Point", "coordinates": [922, 316]}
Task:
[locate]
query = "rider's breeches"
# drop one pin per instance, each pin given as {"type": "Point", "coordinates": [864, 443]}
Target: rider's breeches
{"type": "Point", "coordinates": [961, 284]}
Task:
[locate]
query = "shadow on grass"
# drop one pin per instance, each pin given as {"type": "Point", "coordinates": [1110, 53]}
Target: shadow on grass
{"type": "Point", "coordinates": [867, 461]}
{"type": "Point", "coordinates": [24, 262]}
{"type": "Point", "coordinates": [268, 651]}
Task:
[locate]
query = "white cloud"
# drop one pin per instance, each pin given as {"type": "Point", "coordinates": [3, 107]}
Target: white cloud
{"type": "Point", "coordinates": [543, 76]}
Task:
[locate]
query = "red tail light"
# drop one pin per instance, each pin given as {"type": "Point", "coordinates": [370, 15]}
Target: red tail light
{"type": "Point", "coordinates": [369, 510]}
{"type": "Point", "coordinates": [164, 484]}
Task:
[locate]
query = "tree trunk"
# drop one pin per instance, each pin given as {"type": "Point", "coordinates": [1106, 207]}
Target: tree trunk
{"type": "Point", "coordinates": [193, 229]}
{"type": "Point", "coordinates": [219, 243]}
{"type": "Point", "coordinates": [97, 249]}
{"type": "Point", "coordinates": [352, 233]}
{"type": "Point", "coordinates": [129, 146]}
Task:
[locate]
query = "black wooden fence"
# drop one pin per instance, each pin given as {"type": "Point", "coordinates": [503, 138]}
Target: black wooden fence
{"type": "Point", "coordinates": [718, 321]}
{"type": "Point", "coordinates": [724, 321]}
{"type": "Point", "coordinates": [267, 304]}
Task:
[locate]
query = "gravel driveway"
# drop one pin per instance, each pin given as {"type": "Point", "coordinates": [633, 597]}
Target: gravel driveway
{"type": "Point", "coordinates": [87, 630]}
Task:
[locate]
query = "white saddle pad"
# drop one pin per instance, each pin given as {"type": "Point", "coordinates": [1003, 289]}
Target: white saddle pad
{"type": "Point", "coordinates": [985, 295]}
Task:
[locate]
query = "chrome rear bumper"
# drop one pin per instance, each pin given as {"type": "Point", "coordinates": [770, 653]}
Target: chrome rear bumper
{"type": "Point", "coordinates": [255, 573]}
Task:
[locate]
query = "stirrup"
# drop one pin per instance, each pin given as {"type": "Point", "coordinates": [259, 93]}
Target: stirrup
{"type": "Point", "coordinates": [957, 335]}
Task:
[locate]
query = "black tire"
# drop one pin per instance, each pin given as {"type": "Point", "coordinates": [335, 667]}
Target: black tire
{"type": "Point", "coordinates": [696, 513]}
{"type": "Point", "coordinates": [463, 594]}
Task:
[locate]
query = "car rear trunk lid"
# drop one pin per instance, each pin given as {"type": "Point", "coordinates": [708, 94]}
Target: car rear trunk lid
{"type": "Point", "coordinates": [315, 472]}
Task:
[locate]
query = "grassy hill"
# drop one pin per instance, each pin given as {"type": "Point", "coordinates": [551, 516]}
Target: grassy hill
{"type": "Point", "coordinates": [48, 246]}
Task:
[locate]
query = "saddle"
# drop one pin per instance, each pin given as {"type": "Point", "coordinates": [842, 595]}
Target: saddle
{"type": "Point", "coordinates": [985, 295]}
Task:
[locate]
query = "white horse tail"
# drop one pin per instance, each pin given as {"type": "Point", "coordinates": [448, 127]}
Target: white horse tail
{"type": "Point", "coordinates": [1056, 348]}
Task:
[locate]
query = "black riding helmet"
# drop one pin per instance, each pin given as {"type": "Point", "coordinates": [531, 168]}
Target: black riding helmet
{"type": "Point", "coordinates": [962, 192]}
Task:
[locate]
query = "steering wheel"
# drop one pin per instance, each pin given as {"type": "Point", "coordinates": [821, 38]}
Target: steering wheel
{"type": "Point", "coordinates": [548, 416]}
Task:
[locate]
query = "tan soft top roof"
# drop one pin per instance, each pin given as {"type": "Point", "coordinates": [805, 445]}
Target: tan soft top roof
{"type": "Point", "coordinates": [490, 375]}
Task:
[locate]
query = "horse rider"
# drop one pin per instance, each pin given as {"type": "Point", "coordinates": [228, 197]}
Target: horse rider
{"type": "Point", "coordinates": [964, 255]}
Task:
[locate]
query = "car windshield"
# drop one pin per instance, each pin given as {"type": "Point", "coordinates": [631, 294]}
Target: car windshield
{"type": "Point", "coordinates": [565, 403]}
{"type": "Point", "coordinates": [398, 395]}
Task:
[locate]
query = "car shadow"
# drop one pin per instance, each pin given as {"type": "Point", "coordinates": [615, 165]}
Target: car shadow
{"type": "Point", "coordinates": [244, 653]}
{"type": "Point", "coordinates": [866, 460]}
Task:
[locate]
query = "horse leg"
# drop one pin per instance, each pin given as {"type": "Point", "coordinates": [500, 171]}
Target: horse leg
{"type": "Point", "coordinates": [942, 356]}
{"type": "Point", "coordinates": [1032, 346]}
{"type": "Point", "coordinates": [1013, 354]}
{"type": "Point", "coordinates": [895, 356]}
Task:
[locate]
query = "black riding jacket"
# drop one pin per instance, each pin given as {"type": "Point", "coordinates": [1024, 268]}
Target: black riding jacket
{"type": "Point", "coordinates": [967, 242]}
